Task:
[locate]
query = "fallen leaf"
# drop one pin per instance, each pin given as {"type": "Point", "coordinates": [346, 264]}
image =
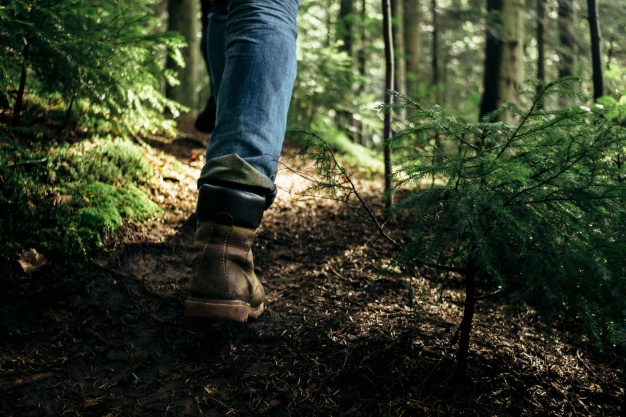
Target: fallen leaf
{"type": "Point", "coordinates": [31, 261]}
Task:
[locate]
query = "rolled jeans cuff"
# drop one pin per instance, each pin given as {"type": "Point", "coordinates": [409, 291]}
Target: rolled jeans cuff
{"type": "Point", "coordinates": [232, 171]}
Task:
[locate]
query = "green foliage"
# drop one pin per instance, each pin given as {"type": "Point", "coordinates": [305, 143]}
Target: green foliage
{"type": "Point", "coordinates": [614, 110]}
{"type": "Point", "coordinates": [101, 62]}
{"type": "Point", "coordinates": [330, 92]}
{"type": "Point", "coordinates": [538, 206]}
{"type": "Point", "coordinates": [349, 152]}
{"type": "Point", "coordinates": [66, 200]}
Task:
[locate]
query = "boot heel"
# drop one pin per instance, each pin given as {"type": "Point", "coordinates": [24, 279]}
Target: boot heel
{"type": "Point", "coordinates": [232, 310]}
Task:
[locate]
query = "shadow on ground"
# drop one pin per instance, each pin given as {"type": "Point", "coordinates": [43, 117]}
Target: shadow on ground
{"type": "Point", "coordinates": [337, 338]}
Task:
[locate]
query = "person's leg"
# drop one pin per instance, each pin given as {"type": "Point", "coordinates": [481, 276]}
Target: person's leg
{"type": "Point", "coordinates": [216, 35]}
{"type": "Point", "coordinates": [205, 122]}
{"type": "Point", "coordinates": [253, 89]}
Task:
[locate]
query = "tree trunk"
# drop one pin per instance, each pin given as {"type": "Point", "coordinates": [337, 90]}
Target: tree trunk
{"type": "Point", "coordinates": [389, 82]}
{"type": "Point", "coordinates": [624, 403]}
{"type": "Point", "coordinates": [345, 34]}
{"type": "Point", "coordinates": [412, 45]}
{"type": "Point", "coordinates": [345, 25]}
{"type": "Point", "coordinates": [183, 18]}
{"type": "Point", "coordinates": [504, 60]}
{"type": "Point", "coordinates": [465, 328]}
{"type": "Point", "coordinates": [512, 75]}
{"type": "Point", "coordinates": [399, 48]}
{"type": "Point", "coordinates": [361, 67]}
{"type": "Point", "coordinates": [493, 58]}
{"type": "Point", "coordinates": [361, 55]}
{"type": "Point", "coordinates": [541, 43]}
{"type": "Point", "coordinates": [435, 45]}
{"type": "Point", "coordinates": [566, 38]}
{"type": "Point", "coordinates": [19, 100]}
{"type": "Point", "coordinates": [596, 50]}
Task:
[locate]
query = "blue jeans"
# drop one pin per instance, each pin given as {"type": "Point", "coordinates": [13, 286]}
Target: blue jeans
{"type": "Point", "coordinates": [252, 55]}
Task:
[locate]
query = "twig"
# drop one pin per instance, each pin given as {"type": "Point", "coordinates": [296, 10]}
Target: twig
{"type": "Point", "coordinates": [7, 386]}
{"type": "Point", "coordinates": [31, 162]}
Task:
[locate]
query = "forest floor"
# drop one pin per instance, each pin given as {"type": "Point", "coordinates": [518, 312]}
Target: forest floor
{"type": "Point", "coordinates": [338, 337]}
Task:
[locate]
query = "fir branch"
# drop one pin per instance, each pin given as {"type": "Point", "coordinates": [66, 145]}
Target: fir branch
{"type": "Point", "coordinates": [546, 181]}
{"type": "Point", "coordinates": [354, 191]}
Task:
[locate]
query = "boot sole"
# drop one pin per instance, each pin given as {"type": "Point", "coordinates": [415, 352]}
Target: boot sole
{"type": "Point", "coordinates": [232, 310]}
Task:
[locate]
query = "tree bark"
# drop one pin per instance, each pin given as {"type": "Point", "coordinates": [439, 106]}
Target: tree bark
{"type": "Point", "coordinates": [465, 328]}
{"type": "Point", "coordinates": [512, 75]}
{"type": "Point", "coordinates": [183, 18]}
{"type": "Point", "coordinates": [504, 59]}
{"type": "Point", "coordinates": [596, 49]}
{"type": "Point", "coordinates": [345, 26]}
{"type": "Point", "coordinates": [493, 58]}
{"type": "Point", "coordinates": [389, 82]}
{"type": "Point", "coordinates": [19, 101]}
{"type": "Point", "coordinates": [412, 44]}
{"type": "Point", "coordinates": [345, 36]}
{"type": "Point", "coordinates": [566, 38]}
{"type": "Point", "coordinates": [361, 67]}
{"type": "Point", "coordinates": [541, 43]}
{"type": "Point", "coordinates": [435, 45]}
{"type": "Point", "coordinates": [399, 47]}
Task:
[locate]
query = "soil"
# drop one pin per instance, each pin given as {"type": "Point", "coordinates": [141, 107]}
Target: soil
{"type": "Point", "coordinates": [338, 336]}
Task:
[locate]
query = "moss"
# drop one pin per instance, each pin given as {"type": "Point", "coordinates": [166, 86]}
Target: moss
{"type": "Point", "coordinates": [109, 206]}
{"type": "Point", "coordinates": [102, 176]}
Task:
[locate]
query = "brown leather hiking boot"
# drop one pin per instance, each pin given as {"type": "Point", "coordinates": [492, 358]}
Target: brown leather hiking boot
{"type": "Point", "coordinates": [224, 285]}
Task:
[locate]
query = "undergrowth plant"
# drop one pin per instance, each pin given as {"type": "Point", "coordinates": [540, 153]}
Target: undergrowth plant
{"type": "Point", "coordinates": [536, 208]}
{"type": "Point", "coordinates": [99, 65]}
{"type": "Point", "coordinates": [534, 211]}
{"type": "Point", "coordinates": [65, 201]}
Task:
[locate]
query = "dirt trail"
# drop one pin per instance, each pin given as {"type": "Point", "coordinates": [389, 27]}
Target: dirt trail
{"type": "Point", "coordinates": [337, 337]}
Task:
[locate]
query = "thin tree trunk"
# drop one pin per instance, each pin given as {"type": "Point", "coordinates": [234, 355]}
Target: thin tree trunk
{"type": "Point", "coordinates": [512, 68]}
{"type": "Point", "coordinates": [596, 49]}
{"type": "Point", "coordinates": [435, 45]}
{"type": "Point", "coordinates": [541, 43]}
{"type": "Point", "coordinates": [68, 112]}
{"type": "Point", "coordinates": [345, 25]}
{"type": "Point", "coordinates": [504, 61]}
{"type": "Point", "coordinates": [19, 100]}
{"type": "Point", "coordinates": [493, 58]}
{"type": "Point", "coordinates": [412, 45]}
{"type": "Point", "coordinates": [611, 52]}
{"type": "Point", "coordinates": [465, 328]}
{"type": "Point", "coordinates": [389, 82]}
{"type": "Point", "coordinates": [361, 66]}
{"type": "Point", "coordinates": [435, 80]}
{"type": "Point", "coordinates": [361, 55]}
{"type": "Point", "coordinates": [345, 34]}
{"type": "Point", "coordinates": [624, 403]}
{"type": "Point", "coordinates": [183, 18]}
{"type": "Point", "coordinates": [566, 38]}
{"type": "Point", "coordinates": [399, 47]}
